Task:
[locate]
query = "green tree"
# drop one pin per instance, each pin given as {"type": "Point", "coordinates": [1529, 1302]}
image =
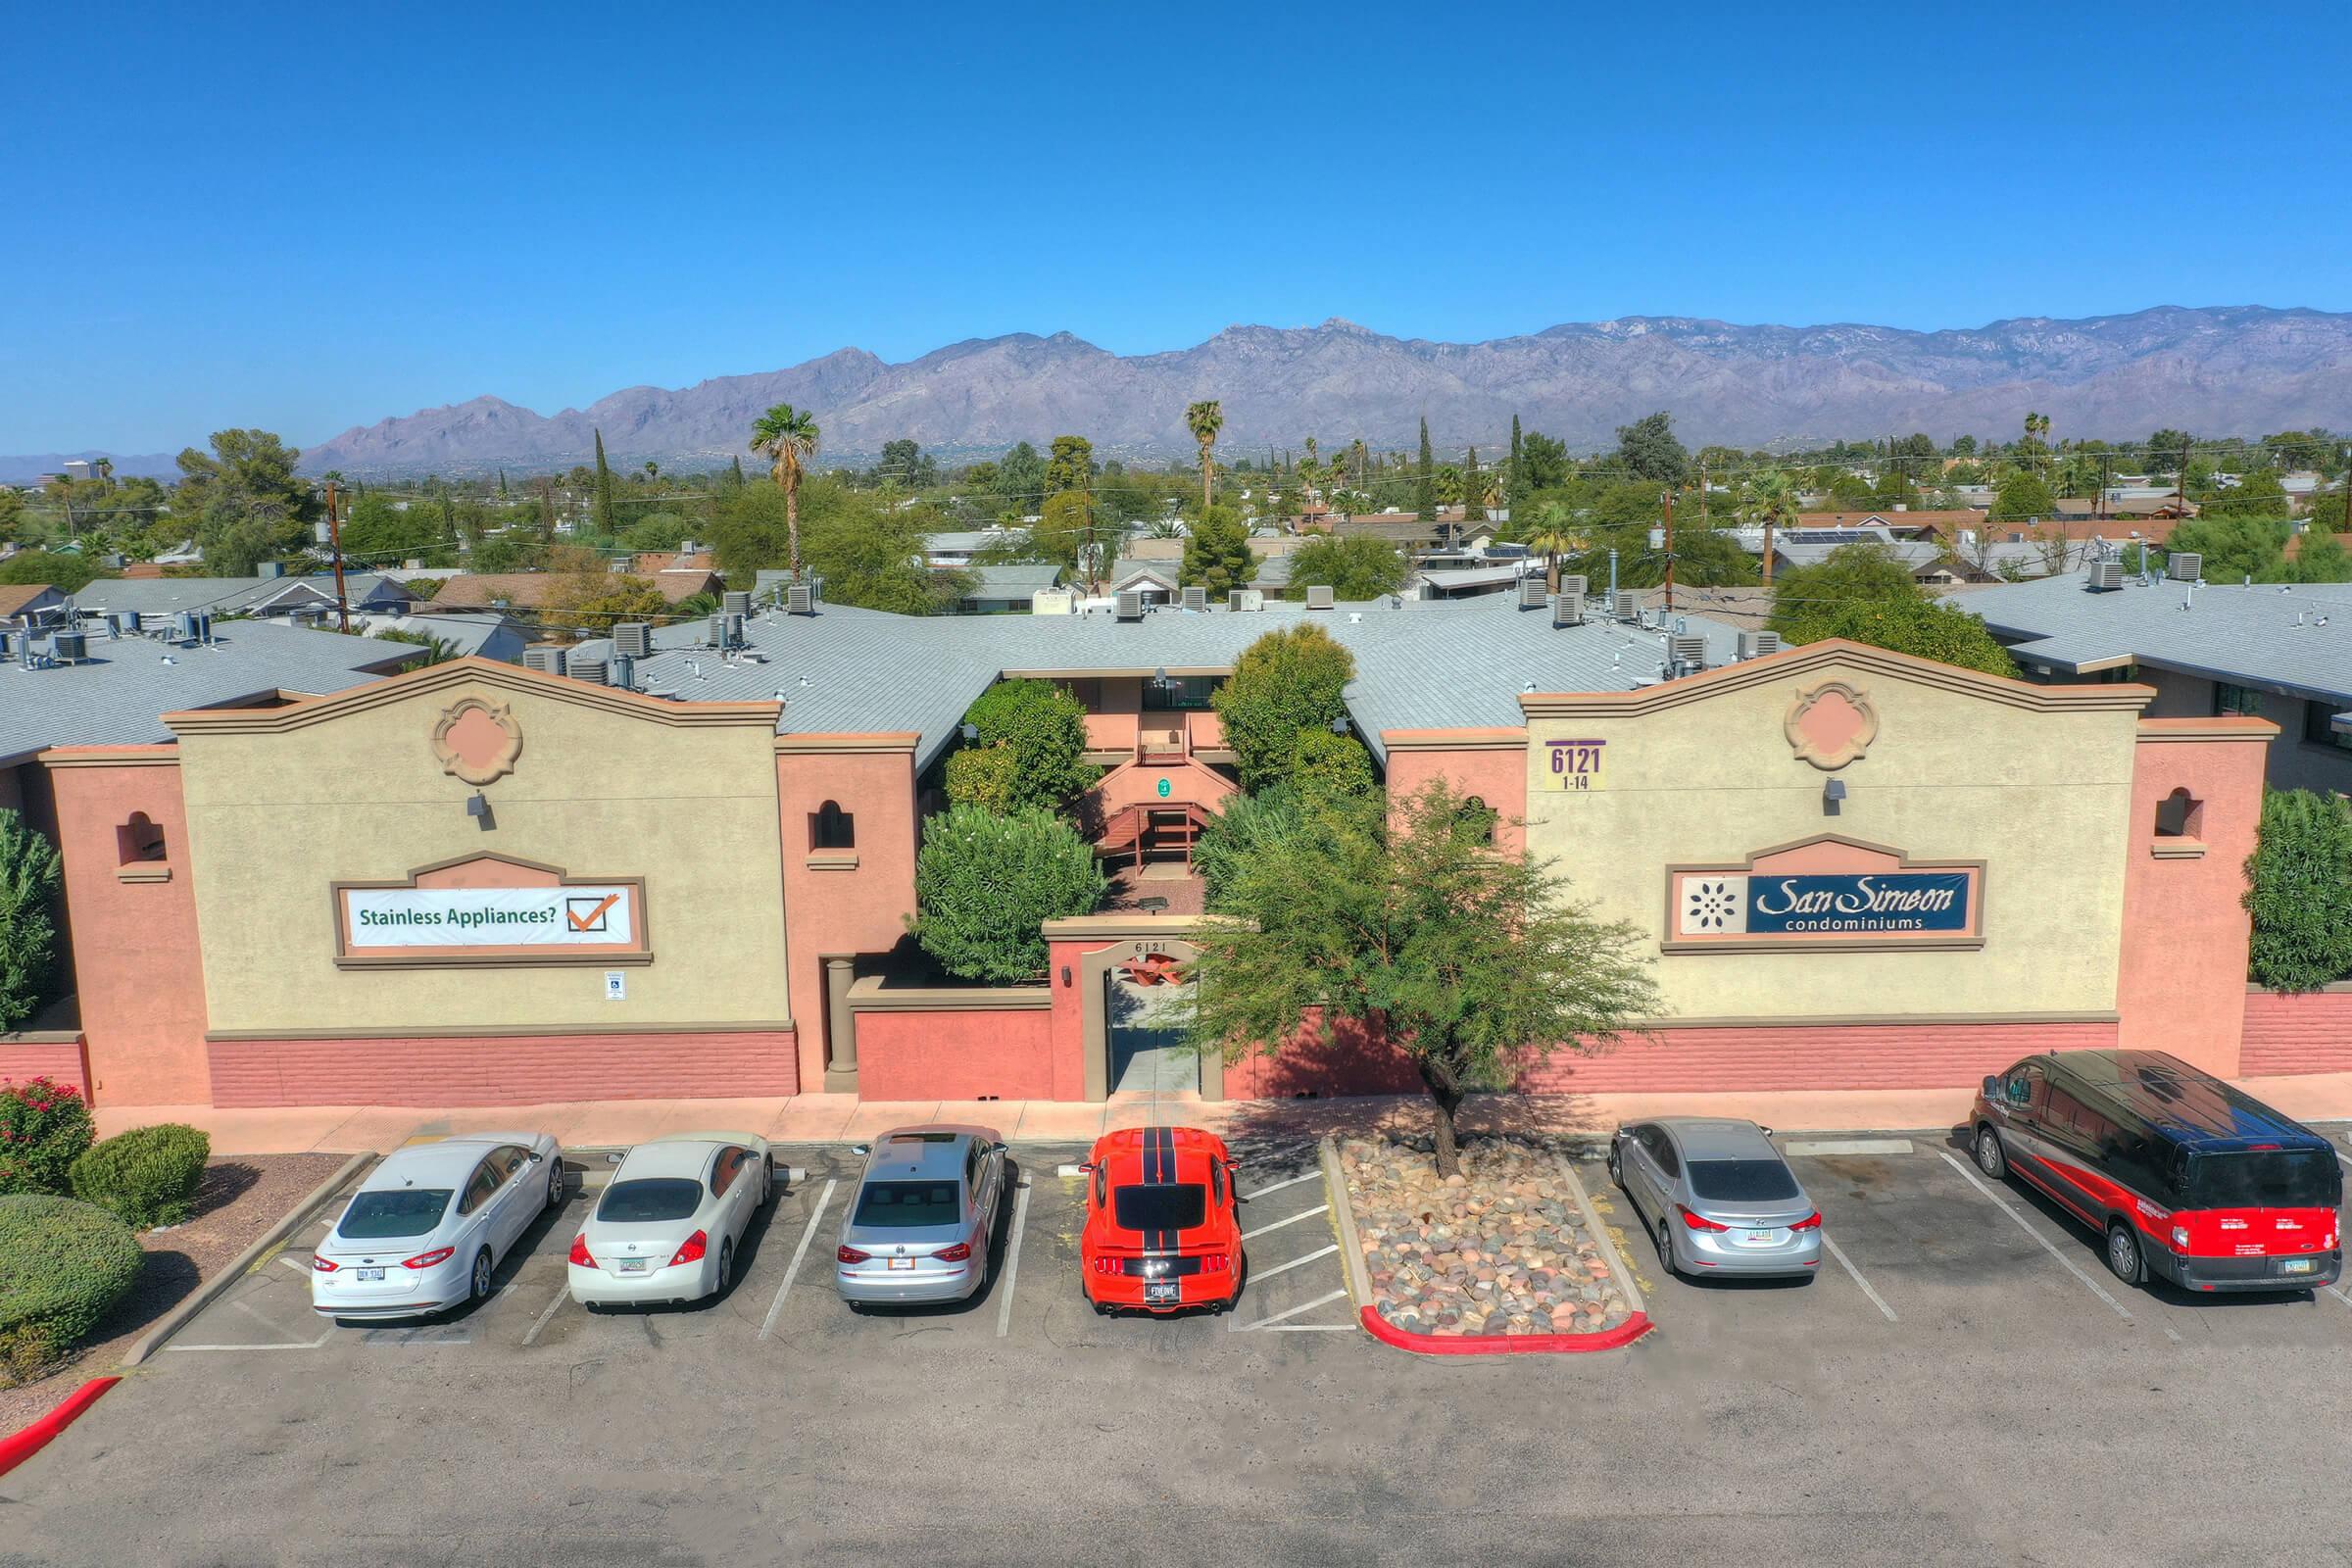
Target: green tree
{"type": "Point", "coordinates": [1919, 627]}
{"type": "Point", "coordinates": [1424, 483]}
{"type": "Point", "coordinates": [1020, 478]}
{"type": "Point", "coordinates": [1410, 926]}
{"type": "Point", "coordinates": [1510, 489]}
{"type": "Point", "coordinates": [2023, 495]}
{"type": "Point", "coordinates": [787, 437]}
{"type": "Point", "coordinates": [1204, 420]}
{"type": "Point", "coordinates": [1331, 770]}
{"type": "Point", "coordinates": [1543, 464]}
{"type": "Point", "coordinates": [2236, 548]}
{"type": "Point", "coordinates": [28, 889]}
{"type": "Point", "coordinates": [2258, 494]}
{"type": "Point", "coordinates": [2322, 558]}
{"type": "Point", "coordinates": [1289, 680]}
{"type": "Point", "coordinates": [903, 462]}
{"type": "Point", "coordinates": [1647, 449]}
{"type": "Point", "coordinates": [2166, 451]}
{"type": "Point", "coordinates": [604, 489]}
{"type": "Point", "coordinates": [66, 572]}
{"type": "Point", "coordinates": [378, 530]}
{"type": "Point", "coordinates": [871, 556]}
{"type": "Point", "coordinates": [243, 500]}
{"type": "Point", "coordinates": [1806, 595]}
{"type": "Point", "coordinates": [986, 776]}
{"type": "Point", "coordinates": [1710, 557]}
{"type": "Point", "coordinates": [2299, 890]}
{"type": "Point", "coordinates": [1045, 728]}
{"type": "Point", "coordinates": [1353, 567]}
{"type": "Point", "coordinates": [984, 883]}
{"type": "Point", "coordinates": [1216, 552]}
{"type": "Point", "coordinates": [1072, 465]}
{"type": "Point", "coordinates": [1247, 823]}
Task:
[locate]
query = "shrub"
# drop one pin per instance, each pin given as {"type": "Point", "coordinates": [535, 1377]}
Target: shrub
{"type": "Point", "coordinates": [63, 1265]}
{"type": "Point", "coordinates": [28, 883]}
{"type": "Point", "coordinates": [44, 1127]}
{"type": "Point", "coordinates": [986, 776]}
{"type": "Point", "coordinates": [147, 1176]}
{"type": "Point", "coordinates": [1286, 681]}
{"type": "Point", "coordinates": [1233, 835]}
{"type": "Point", "coordinates": [2299, 890]}
{"type": "Point", "coordinates": [1328, 768]}
{"type": "Point", "coordinates": [1044, 727]}
{"type": "Point", "coordinates": [983, 882]}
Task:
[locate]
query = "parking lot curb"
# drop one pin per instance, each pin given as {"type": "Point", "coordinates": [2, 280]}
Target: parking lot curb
{"type": "Point", "coordinates": [1617, 1263]}
{"type": "Point", "coordinates": [210, 1290]}
{"type": "Point", "coordinates": [1343, 1218]}
{"type": "Point", "coordinates": [22, 1445]}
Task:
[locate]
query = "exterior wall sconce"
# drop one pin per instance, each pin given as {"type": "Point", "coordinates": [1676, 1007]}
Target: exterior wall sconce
{"type": "Point", "coordinates": [477, 806]}
{"type": "Point", "coordinates": [1065, 975]}
{"type": "Point", "coordinates": [1832, 794]}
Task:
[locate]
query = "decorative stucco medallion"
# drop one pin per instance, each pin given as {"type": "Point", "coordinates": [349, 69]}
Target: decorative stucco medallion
{"type": "Point", "coordinates": [1831, 726]}
{"type": "Point", "coordinates": [477, 741]}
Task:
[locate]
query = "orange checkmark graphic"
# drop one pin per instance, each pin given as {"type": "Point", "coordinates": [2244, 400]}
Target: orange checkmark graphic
{"type": "Point", "coordinates": [582, 924]}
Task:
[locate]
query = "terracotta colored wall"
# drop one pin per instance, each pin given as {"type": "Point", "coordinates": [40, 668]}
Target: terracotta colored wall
{"type": "Point", "coordinates": [503, 1070]}
{"type": "Point", "coordinates": [2181, 977]}
{"type": "Point", "coordinates": [2309, 1033]}
{"type": "Point", "coordinates": [828, 911]}
{"type": "Point", "coordinates": [955, 1056]}
{"type": "Point", "coordinates": [1354, 1060]}
{"type": "Point", "coordinates": [59, 1060]}
{"type": "Point", "coordinates": [1912, 1056]}
{"type": "Point", "coordinates": [136, 961]}
{"type": "Point", "coordinates": [1495, 775]}
{"type": "Point", "coordinates": [1066, 1047]}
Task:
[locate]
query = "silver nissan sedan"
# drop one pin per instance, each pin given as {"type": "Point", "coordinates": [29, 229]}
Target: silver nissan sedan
{"type": "Point", "coordinates": [1716, 1196]}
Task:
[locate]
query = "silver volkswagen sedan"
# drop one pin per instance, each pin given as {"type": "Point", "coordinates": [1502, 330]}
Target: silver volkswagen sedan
{"type": "Point", "coordinates": [919, 1223]}
{"type": "Point", "coordinates": [1716, 1196]}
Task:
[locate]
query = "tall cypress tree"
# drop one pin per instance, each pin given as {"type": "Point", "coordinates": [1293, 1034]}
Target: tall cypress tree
{"type": "Point", "coordinates": [502, 484]}
{"type": "Point", "coordinates": [738, 474]}
{"type": "Point", "coordinates": [1425, 490]}
{"type": "Point", "coordinates": [604, 490]}
{"type": "Point", "coordinates": [1510, 480]}
{"type": "Point", "coordinates": [1472, 509]}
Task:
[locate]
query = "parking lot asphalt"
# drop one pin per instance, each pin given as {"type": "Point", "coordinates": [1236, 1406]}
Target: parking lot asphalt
{"type": "Point", "coordinates": [1962, 1383]}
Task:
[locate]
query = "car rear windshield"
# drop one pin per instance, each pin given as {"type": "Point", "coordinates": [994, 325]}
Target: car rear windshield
{"type": "Point", "coordinates": [1160, 1208]}
{"type": "Point", "coordinates": [907, 1206]}
{"type": "Point", "coordinates": [2279, 1178]}
{"type": "Point", "coordinates": [1742, 1181]}
{"type": "Point", "coordinates": [650, 1198]}
{"type": "Point", "coordinates": [406, 1211]}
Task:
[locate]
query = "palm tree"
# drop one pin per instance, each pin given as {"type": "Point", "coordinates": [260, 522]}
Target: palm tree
{"type": "Point", "coordinates": [1204, 420]}
{"type": "Point", "coordinates": [105, 468]}
{"type": "Point", "coordinates": [1776, 500]}
{"type": "Point", "coordinates": [1553, 538]}
{"type": "Point", "coordinates": [653, 471]}
{"type": "Point", "coordinates": [787, 437]}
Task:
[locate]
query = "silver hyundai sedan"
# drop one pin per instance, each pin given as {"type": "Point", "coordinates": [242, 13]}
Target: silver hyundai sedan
{"type": "Point", "coordinates": [1716, 1196]}
{"type": "Point", "coordinates": [919, 1223]}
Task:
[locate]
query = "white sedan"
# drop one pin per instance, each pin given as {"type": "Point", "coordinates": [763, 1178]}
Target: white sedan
{"type": "Point", "coordinates": [671, 1223]}
{"type": "Point", "coordinates": [430, 1224]}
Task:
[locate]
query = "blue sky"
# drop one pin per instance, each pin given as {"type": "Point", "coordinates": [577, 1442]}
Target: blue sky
{"type": "Point", "coordinates": [245, 216]}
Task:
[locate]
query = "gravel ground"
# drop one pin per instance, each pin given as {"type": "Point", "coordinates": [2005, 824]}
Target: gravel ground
{"type": "Point", "coordinates": [242, 1198]}
{"type": "Point", "coordinates": [1500, 1250]}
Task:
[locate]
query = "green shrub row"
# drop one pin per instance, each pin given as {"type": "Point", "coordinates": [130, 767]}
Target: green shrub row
{"type": "Point", "coordinates": [63, 1267]}
{"type": "Point", "coordinates": [146, 1177]}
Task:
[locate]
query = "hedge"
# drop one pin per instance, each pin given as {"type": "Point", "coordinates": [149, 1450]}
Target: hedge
{"type": "Point", "coordinates": [44, 1126]}
{"type": "Point", "coordinates": [983, 883]}
{"type": "Point", "coordinates": [63, 1267]}
{"type": "Point", "coordinates": [147, 1176]}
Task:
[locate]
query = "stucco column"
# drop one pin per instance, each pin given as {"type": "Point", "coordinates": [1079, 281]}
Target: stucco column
{"type": "Point", "coordinates": [841, 1027]}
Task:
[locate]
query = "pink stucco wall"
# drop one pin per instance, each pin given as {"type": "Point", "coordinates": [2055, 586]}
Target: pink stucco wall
{"type": "Point", "coordinates": [836, 910]}
{"type": "Point", "coordinates": [2308, 1032]}
{"type": "Point", "coordinates": [1190, 783]}
{"type": "Point", "coordinates": [1894, 1056]}
{"type": "Point", "coordinates": [1472, 765]}
{"type": "Point", "coordinates": [955, 1056]}
{"type": "Point", "coordinates": [136, 961]}
{"type": "Point", "coordinates": [59, 1061]}
{"type": "Point", "coordinates": [1353, 1060]}
{"type": "Point", "coordinates": [2180, 983]}
{"type": "Point", "coordinates": [503, 1070]}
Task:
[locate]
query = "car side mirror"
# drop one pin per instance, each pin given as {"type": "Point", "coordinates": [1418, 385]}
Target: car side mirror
{"type": "Point", "coordinates": [862, 1148]}
{"type": "Point", "coordinates": [1993, 1086]}
{"type": "Point", "coordinates": [537, 1156]}
{"type": "Point", "coordinates": [1087, 1169]}
{"type": "Point", "coordinates": [995, 1149]}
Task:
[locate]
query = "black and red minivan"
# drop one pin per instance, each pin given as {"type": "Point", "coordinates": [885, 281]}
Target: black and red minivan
{"type": "Point", "coordinates": [2184, 1175]}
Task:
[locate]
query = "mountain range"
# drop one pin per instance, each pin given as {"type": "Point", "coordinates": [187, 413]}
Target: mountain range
{"type": "Point", "coordinates": [2229, 370]}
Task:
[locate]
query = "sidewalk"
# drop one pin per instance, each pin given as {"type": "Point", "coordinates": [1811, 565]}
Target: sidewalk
{"type": "Point", "coordinates": [835, 1118]}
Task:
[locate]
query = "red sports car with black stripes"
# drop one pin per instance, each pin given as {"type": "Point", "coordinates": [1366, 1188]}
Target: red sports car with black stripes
{"type": "Point", "coordinates": [1161, 1233]}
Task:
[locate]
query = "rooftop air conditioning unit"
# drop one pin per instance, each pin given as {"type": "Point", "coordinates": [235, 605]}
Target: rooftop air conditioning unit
{"type": "Point", "coordinates": [734, 630]}
{"type": "Point", "coordinates": [633, 638]}
{"type": "Point", "coordinates": [2185, 565]}
{"type": "Point", "coordinates": [735, 602]}
{"type": "Point", "coordinates": [1568, 609]}
{"type": "Point", "coordinates": [1687, 653]}
{"type": "Point", "coordinates": [1319, 597]}
{"type": "Point", "coordinates": [7, 644]}
{"type": "Point", "coordinates": [131, 621]}
{"type": "Point", "coordinates": [548, 661]}
{"type": "Point", "coordinates": [1196, 598]}
{"type": "Point", "coordinates": [2104, 576]}
{"type": "Point", "coordinates": [800, 600]}
{"type": "Point", "coordinates": [1130, 604]}
{"type": "Point", "coordinates": [1758, 644]}
{"type": "Point", "coordinates": [1575, 583]}
{"type": "Point", "coordinates": [715, 631]}
{"type": "Point", "coordinates": [591, 671]}
{"type": "Point", "coordinates": [68, 647]}
{"type": "Point", "coordinates": [1626, 605]}
{"type": "Point", "coordinates": [1531, 592]}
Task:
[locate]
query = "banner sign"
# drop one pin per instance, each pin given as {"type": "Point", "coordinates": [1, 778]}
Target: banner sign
{"type": "Point", "coordinates": [491, 917]}
{"type": "Point", "coordinates": [1791, 905]}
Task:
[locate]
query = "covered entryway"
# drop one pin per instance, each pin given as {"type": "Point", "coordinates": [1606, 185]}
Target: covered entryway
{"type": "Point", "coordinates": [1146, 1000]}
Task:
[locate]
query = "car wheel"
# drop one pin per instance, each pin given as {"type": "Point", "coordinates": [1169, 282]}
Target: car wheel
{"type": "Point", "coordinates": [726, 1268]}
{"type": "Point", "coordinates": [2124, 1261]}
{"type": "Point", "coordinates": [1666, 1247]}
{"type": "Point", "coordinates": [1616, 1171]}
{"type": "Point", "coordinates": [1991, 1158]}
{"type": "Point", "coordinates": [478, 1286]}
{"type": "Point", "coordinates": [555, 1183]}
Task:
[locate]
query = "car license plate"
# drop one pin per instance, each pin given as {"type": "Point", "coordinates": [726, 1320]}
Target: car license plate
{"type": "Point", "coordinates": [1760, 1238]}
{"type": "Point", "coordinates": [1162, 1290]}
{"type": "Point", "coordinates": [898, 1262]}
{"type": "Point", "coordinates": [632, 1265]}
{"type": "Point", "coordinates": [369, 1276]}
{"type": "Point", "coordinates": [2299, 1265]}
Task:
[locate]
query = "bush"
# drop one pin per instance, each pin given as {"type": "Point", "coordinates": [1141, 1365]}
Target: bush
{"type": "Point", "coordinates": [986, 776]}
{"type": "Point", "coordinates": [983, 883]}
{"type": "Point", "coordinates": [1329, 769]}
{"type": "Point", "coordinates": [44, 1127]}
{"type": "Point", "coordinates": [63, 1265]}
{"type": "Point", "coordinates": [1286, 681]}
{"type": "Point", "coordinates": [2299, 890]}
{"type": "Point", "coordinates": [1046, 729]}
{"type": "Point", "coordinates": [1233, 835]}
{"type": "Point", "coordinates": [145, 1177]}
{"type": "Point", "coordinates": [29, 894]}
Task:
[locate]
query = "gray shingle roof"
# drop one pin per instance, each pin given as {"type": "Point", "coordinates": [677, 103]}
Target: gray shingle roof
{"type": "Point", "coordinates": [228, 596]}
{"type": "Point", "coordinates": [1431, 664]}
{"type": "Point", "coordinates": [2294, 639]}
{"type": "Point", "coordinates": [116, 696]}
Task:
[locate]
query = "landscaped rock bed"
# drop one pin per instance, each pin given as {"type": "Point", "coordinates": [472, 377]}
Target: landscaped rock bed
{"type": "Point", "coordinates": [1502, 1249]}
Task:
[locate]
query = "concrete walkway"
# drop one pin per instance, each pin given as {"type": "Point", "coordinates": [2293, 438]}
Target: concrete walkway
{"type": "Point", "coordinates": [825, 1118]}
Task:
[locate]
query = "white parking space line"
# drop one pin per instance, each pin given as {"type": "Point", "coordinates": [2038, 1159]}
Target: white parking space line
{"type": "Point", "coordinates": [1257, 1274]}
{"type": "Point", "coordinates": [792, 1270]}
{"type": "Point", "coordinates": [312, 1344]}
{"type": "Point", "coordinates": [2337, 1292]}
{"type": "Point", "coordinates": [562, 1292]}
{"type": "Point", "coordinates": [1847, 1263]}
{"type": "Point", "coordinates": [1310, 1176]}
{"type": "Point", "coordinates": [1313, 1328]}
{"type": "Point", "coordinates": [1849, 1146]}
{"type": "Point", "coordinates": [1012, 1260]}
{"type": "Point", "coordinates": [1304, 1307]}
{"type": "Point", "coordinates": [1319, 1208]}
{"type": "Point", "coordinates": [2047, 1246]}
{"type": "Point", "coordinates": [299, 1268]}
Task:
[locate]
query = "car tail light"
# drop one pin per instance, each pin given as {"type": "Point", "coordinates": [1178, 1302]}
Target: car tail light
{"type": "Point", "coordinates": [2179, 1238]}
{"type": "Point", "coordinates": [323, 1265]}
{"type": "Point", "coordinates": [439, 1254]}
{"type": "Point", "coordinates": [691, 1251]}
{"type": "Point", "coordinates": [1214, 1263]}
{"type": "Point", "coordinates": [1698, 1222]}
{"type": "Point", "coordinates": [579, 1251]}
{"type": "Point", "coordinates": [1106, 1265]}
{"type": "Point", "coordinates": [953, 1254]}
{"type": "Point", "coordinates": [851, 1255]}
{"type": "Point", "coordinates": [1811, 1222]}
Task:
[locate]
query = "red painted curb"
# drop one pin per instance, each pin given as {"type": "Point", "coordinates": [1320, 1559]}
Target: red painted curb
{"type": "Point", "coordinates": [22, 1446]}
{"type": "Point", "coordinates": [1624, 1334]}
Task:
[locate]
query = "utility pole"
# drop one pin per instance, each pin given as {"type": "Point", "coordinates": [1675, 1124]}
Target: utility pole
{"type": "Point", "coordinates": [1670, 552]}
{"type": "Point", "coordinates": [335, 542]}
